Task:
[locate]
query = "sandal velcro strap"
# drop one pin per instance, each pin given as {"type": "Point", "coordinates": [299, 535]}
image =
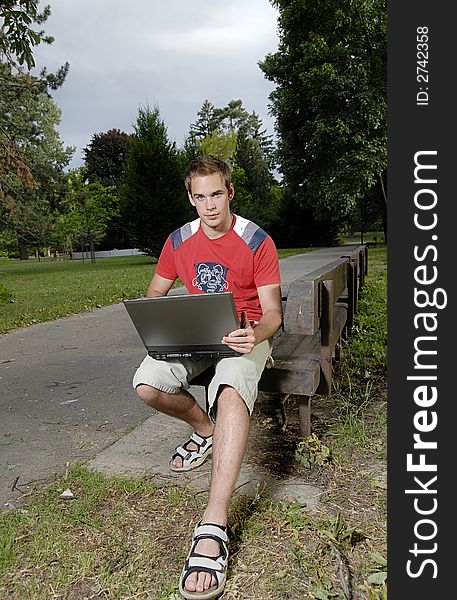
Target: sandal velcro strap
{"type": "Point", "coordinates": [202, 442]}
{"type": "Point", "coordinates": [213, 566]}
{"type": "Point", "coordinates": [211, 530]}
{"type": "Point", "coordinates": [199, 560]}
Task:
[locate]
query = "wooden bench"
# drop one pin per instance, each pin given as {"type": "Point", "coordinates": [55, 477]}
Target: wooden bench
{"type": "Point", "coordinates": [318, 312]}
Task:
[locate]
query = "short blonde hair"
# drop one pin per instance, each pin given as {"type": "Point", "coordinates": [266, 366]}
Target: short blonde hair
{"type": "Point", "coordinates": [207, 165]}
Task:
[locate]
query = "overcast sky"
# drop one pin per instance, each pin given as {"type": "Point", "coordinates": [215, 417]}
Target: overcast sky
{"type": "Point", "coordinates": [173, 54]}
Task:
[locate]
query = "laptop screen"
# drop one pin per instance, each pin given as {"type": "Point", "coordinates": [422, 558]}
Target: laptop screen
{"type": "Point", "coordinates": [185, 324]}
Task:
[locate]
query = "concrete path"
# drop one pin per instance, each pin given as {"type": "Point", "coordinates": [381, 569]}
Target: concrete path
{"type": "Point", "coordinates": [66, 396]}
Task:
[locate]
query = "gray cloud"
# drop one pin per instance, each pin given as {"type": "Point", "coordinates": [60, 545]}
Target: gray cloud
{"type": "Point", "coordinates": [172, 54]}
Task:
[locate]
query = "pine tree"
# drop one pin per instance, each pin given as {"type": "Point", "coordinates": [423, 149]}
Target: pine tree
{"type": "Point", "coordinates": [153, 198]}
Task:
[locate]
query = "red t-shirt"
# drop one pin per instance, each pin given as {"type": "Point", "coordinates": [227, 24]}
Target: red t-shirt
{"type": "Point", "coordinates": [240, 261]}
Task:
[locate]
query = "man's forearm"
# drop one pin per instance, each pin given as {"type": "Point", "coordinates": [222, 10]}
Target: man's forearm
{"type": "Point", "coordinates": [268, 325]}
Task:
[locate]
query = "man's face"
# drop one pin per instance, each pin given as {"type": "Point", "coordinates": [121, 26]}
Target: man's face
{"type": "Point", "coordinates": [212, 201]}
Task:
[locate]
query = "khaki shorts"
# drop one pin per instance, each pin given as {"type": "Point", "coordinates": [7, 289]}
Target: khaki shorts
{"type": "Point", "coordinates": [240, 372]}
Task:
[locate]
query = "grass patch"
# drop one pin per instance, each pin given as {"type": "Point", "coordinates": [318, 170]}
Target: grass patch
{"type": "Point", "coordinates": [358, 397]}
{"type": "Point", "coordinates": [5, 295]}
{"type": "Point", "coordinates": [102, 543]}
{"type": "Point", "coordinates": [45, 290]}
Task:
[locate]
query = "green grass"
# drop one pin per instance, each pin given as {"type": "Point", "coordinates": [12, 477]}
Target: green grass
{"type": "Point", "coordinates": [122, 538]}
{"type": "Point", "coordinates": [44, 290]}
{"type": "Point", "coordinates": [359, 377]}
{"type": "Point", "coordinates": [33, 291]}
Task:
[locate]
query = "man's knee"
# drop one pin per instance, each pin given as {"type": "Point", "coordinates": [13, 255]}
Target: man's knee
{"type": "Point", "coordinates": [229, 399]}
{"type": "Point", "coordinates": [148, 394]}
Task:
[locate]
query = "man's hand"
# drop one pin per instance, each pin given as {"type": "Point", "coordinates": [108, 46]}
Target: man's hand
{"type": "Point", "coordinates": [241, 340]}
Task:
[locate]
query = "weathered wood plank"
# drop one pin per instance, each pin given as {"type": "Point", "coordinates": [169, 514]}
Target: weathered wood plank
{"type": "Point", "coordinates": [340, 315]}
{"type": "Point", "coordinates": [352, 291]}
{"type": "Point", "coordinates": [296, 367]}
{"type": "Point", "coordinates": [326, 326]}
{"type": "Point", "coordinates": [301, 314]}
{"type": "Point", "coordinates": [304, 304]}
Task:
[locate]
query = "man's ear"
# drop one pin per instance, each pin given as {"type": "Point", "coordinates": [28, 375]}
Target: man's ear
{"type": "Point", "coordinates": [231, 192]}
{"type": "Point", "coordinates": [191, 200]}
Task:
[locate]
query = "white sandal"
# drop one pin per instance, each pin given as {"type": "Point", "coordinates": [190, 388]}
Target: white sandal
{"type": "Point", "coordinates": [215, 566]}
{"type": "Point", "coordinates": [191, 459]}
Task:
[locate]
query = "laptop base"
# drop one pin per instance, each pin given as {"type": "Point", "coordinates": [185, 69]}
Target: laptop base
{"type": "Point", "coordinates": [197, 352]}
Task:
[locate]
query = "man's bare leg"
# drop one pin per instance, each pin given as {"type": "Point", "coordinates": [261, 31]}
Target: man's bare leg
{"type": "Point", "coordinates": [181, 406]}
{"type": "Point", "coordinates": [229, 443]}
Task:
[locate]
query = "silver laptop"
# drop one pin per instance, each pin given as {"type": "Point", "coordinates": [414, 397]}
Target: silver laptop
{"type": "Point", "coordinates": [188, 325]}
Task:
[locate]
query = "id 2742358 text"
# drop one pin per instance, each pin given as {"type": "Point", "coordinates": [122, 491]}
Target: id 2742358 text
{"type": "Point", "coordinates": [422, 57]}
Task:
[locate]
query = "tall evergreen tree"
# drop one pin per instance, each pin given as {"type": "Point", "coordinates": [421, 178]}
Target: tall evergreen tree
{"type": "Point", "coordinates": [232, 116]}
{"type": "Point", "coordinates": [259, 183]}
{"type": "Point", "coordinates": [206, 122]}
{"type": "Point", "coordinates": [153, 197]}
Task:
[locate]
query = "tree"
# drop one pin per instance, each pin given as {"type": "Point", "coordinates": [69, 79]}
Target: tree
{"type": "Point", "coordinates": [219, 144]}
{"type": "Point", "coordinates": [105, 157]}
{"type": "Point", "coordinates": [16, 129]}
{"type": "Point", "coordinates": [232, 116]}
{"type": "Point", "coordinates": [260, 185]}
{"type": "Point", "coordinates": [90, 207]}
{"type": "Point", "coordinates": [330, 106]}
{"type": "Point", "coordinates": [153, 197]}
{"type": "Point", "coordinates": [206, 123]}
{"type": "Point", "coordinates": [229, 120]}
{"type": "Point", "coordinates": [32, 156]}
{"type": "Point", "coordinates": [18, 38]}
{"type": "Point", "coordinates": [31, 185]}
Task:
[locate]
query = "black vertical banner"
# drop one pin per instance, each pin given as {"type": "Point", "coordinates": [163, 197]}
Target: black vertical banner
{"type": "Point", "coordinates": [422, 243]}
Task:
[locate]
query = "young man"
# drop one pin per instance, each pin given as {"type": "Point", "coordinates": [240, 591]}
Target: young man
{"type": "Point", "coordinates": [217, 252]}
